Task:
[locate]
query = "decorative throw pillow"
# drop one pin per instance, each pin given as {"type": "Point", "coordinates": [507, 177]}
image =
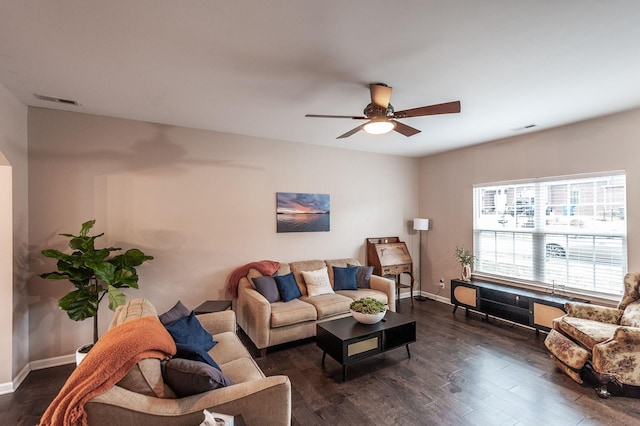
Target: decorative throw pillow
{"type": "Point", "coordinates": [317, 282]}
{"type": "Point", "coordinates": [188, 377]}
{"type": "Point", "coordinates": [189, 331]}
{"type": "Point", "coordinates": [178, 311]}
{"type": "Point", "coordinates": [288, 287]}
{"type": "Point", "coordinates": [267, 287]}
{"type": "Point", "coordinates": [193, 353]}
{"type": "Point", "coordinates": [344, 278]}
{"type": "Point", "coordinates": [363, 275]}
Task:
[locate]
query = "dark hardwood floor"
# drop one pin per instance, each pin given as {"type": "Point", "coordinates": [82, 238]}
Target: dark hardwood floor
{"type": "Point", "coordinates": [462, 371]}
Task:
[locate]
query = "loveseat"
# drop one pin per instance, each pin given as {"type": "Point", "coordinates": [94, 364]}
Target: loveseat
{"type": "Point", "coordinates": [600, 343]}
{"type": "Point", "coordinates": [275, 321]}
{"type": "Point", "coordinates": [143, 398]}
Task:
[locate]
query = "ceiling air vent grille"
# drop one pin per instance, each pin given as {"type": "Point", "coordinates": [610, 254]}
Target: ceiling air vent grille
{"type": "Point", "coordinates": [55, 99]}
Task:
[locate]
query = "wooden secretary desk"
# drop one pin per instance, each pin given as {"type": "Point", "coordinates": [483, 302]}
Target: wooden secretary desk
{"type": "Point", "coordinates": [390, 256]}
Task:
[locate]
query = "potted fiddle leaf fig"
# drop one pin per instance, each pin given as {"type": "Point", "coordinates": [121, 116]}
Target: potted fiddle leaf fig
{"type": "Point", "coordinates": [95, 273]}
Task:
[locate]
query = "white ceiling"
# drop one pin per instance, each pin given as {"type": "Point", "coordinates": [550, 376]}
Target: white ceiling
{"type": "Point", "coordinates": [257, 67]}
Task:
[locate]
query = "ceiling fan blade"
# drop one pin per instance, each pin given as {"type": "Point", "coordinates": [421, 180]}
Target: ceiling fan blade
{"type": "Point", "coordinates": [380, 95]}
{"type": "Point", "coordinates": [404, 129]}
{"type": "Point", "coordinates": [446, 108]}
{"type": "Point", "coordinates": [351, 132]}
{"type": "Point", "coordinates": [353, 117]}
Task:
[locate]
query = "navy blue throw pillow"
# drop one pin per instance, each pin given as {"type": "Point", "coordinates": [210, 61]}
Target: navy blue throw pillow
{"type": "Point", "coordinates": [185, 351]}
{"type": "Point", "coordinates": [189, 331]}
{"type": "Point", "coordinates": [288, 287]}
{"type": "Point", "coordinates": [345, 278]}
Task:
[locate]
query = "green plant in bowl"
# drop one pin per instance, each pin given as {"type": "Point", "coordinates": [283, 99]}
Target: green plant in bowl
{"type": "Point", "coordinates": [367, 305]}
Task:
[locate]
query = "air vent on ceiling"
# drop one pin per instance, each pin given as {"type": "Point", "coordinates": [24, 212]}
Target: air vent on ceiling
{"type": "Point", "coordinates": [527, 127]}
{"type": "Point", "coordinates": [55, 99]}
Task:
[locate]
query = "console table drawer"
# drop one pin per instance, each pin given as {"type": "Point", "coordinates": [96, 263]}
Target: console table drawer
{"type": "Point", "coordinates": [396, 269]}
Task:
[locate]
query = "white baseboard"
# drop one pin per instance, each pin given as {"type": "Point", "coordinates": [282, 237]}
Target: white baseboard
{"type": "Point", "coordinates": [10, 387]}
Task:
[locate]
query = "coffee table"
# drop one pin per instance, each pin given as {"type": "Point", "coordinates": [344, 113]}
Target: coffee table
{"type": "Point", "coordinates": [348, 341]}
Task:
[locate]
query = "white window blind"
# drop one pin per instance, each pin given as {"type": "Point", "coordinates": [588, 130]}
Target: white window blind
{"type": "Point", "coordinates": [567, 233]}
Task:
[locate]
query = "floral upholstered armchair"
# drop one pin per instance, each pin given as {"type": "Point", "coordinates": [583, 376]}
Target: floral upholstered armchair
{"type": "Point", "coordinates": [600, 341]}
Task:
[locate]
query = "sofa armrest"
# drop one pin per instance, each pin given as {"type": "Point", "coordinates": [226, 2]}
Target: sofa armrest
{"type": "Point", "coordinates": [617, 356]}
{"type": "Point", "coordinates": [253, 312]}
{"type": "Point", "coordinates": [593, 312]}
{"type": "Point", "coordinates": [256, 400]}
{"type": "Point", "coordinates": [387, 286]}
{"type": "Point", "coordinates": [218, 322]}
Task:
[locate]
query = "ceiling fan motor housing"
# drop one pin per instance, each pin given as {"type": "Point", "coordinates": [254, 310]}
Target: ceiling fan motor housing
{"type": "Point", "coordinates": [374, 111]}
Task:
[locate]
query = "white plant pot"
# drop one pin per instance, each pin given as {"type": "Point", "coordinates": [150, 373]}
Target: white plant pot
{"type": "Point", "coordinates": [82, 352]}
{"type": "Point", "coordinates": [367, 318]}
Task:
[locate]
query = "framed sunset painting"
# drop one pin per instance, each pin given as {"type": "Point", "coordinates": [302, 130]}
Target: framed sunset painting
{"type": "Point", "coordinates": [296, 212]}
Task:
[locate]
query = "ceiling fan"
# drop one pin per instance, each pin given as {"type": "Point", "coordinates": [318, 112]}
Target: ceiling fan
{"type": "Point", "coordinates": [382, 117]}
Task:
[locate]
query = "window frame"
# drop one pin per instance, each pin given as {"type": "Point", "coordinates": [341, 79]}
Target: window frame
{"type": "Point", "coordinates": [532, 233]}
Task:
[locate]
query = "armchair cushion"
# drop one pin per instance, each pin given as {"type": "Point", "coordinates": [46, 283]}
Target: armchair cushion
{"type": "Point", "coordinates": [586, 332]}
{"type": "Point", "coordinates": [631, 315]}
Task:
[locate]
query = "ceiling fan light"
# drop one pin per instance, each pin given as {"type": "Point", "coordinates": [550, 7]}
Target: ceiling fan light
{"type": "Point", "coordinates": [379, 127]}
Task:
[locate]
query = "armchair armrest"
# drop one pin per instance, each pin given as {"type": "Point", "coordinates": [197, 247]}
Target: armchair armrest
{"type": "Point", "coordinates": [617, 356]}
{"type": "Point", "coordinates": [387, 286]}
{"type": "Point", "coordinates": [218, 322]}
{"type": "Point", "coordinates": [256, 400]}
{"type": "Point", "coordinates": [593, 312]}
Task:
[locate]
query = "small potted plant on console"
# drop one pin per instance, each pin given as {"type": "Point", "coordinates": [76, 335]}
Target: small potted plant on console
{"type": "Point", "coordinates": [368, 310]}
{"type": "Point", "coordinates": [466, 260]}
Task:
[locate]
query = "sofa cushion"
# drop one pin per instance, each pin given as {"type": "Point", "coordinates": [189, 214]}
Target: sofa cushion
{"type": "Point", "coordinates": [188, 377]}
{"type": "Point", "coordinates": [305, 265]}
{"type": "Point", "coordinates": [267, 287]}
{"type": "Point", "coordinates": [631, 315]}
{"type": "Point", "coordinates": [293, 312]}
{"type": "Point", "coordinates": [584, 331]}
{"type": "Point", "coordinates": [344, 278]}
{"type": "Point", "coordinates": [229, 347]}
{"type": "Point", "coordinates": [178, 311]}
{"type": "Point", "coordinates": [242, 370]}
{"type": "Point", "coordinates": [317, 282]}
{"type": "Point", "coordinates": [131, 310]}
{"type": "Point", "coordinates": [328, 305]}
{"type": "Point", "coordinates": [287, 287]}
{"type": "Point", "coordinates": [365, 292]}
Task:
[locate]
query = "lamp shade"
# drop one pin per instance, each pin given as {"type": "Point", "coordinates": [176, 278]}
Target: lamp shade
{"type": "Point", "coordinates": [421, 224]}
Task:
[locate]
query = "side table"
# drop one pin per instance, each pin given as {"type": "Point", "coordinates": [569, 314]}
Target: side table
{"type": "Point", "coordinates": [212, 306]}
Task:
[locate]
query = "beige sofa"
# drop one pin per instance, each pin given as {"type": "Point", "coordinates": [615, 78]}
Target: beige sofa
{"type": "Point", "coordinates": [142, 398]}
{"type": "Point", "coordinates": [270, 324]}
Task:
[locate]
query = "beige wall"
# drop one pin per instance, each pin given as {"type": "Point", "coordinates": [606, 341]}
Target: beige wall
{"type": "Point", "coordinates": [446, 180]}
{"type": "Point", "coordinates": [201, 202]}
{"type": "Point", "coordinates": [13, 236]}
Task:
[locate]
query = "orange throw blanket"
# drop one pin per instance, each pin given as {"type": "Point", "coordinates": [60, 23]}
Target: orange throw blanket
{"type": "Point", "coordinates": [266, 267]}
{"type": "Point", "coordinates": [107, 362]}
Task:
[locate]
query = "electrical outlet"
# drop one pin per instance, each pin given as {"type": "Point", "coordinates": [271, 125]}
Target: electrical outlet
{"type": "Point", "coordinates": [441, 283]}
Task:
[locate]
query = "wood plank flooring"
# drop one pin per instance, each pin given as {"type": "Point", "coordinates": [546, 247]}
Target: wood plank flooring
{"type": "Point", "coordinates": [462, 371]}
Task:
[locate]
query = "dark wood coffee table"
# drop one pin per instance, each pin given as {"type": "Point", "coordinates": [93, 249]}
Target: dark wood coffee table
{"type": "Point", "coordinates": [348, 341]}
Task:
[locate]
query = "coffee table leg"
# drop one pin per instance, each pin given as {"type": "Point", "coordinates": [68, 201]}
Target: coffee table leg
{"type": "Point", "coordinates": [324, 354]}
{"type": "Point", "coordinates": [344, 373]}
{"type": "Point", "coordinates": [408, 353]}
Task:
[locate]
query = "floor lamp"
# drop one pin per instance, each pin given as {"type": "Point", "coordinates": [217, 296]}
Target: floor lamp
{"type": "Point", "coordinates": [420, 225]}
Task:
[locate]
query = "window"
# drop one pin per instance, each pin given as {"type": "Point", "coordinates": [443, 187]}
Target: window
{"type": "Point", "coordinates": [569, 233]}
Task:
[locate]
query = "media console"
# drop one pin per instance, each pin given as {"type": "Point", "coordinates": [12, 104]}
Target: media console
{"type": "Point", "coordinates": [527, 307]}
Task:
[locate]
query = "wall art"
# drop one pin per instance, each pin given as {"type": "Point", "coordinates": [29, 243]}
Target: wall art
{"type": "Point", "coordinates": [296, 212]}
